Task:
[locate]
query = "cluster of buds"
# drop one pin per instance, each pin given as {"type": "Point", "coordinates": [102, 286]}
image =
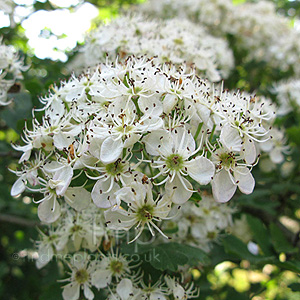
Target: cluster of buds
{"type": "Point", "coordinates": [173, 40]}
{"type": "Point", "coordinates": [11, 68]}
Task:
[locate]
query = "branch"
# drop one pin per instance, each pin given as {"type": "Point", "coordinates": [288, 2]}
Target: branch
{"type": "Point", "coordinates": [18, 220]}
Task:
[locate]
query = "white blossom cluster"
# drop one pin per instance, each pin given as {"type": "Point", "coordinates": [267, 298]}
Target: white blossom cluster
{"type": "Point", "coordinates": [119, 147]}
{"type": "Point", "coordinates": [288, 96]}
{"type": "Point", "coordinates": [174, 40]}
{"type": "Point", "coordinates": [11, 68]}
{"type": "Point", "coordinates": [198, 224]}
{"type": "Point", "coordinates": [74, 231]}
{"type": "Point", "coordinates": [135, 127]}
{"type": "Point", "coordinates": [123, 278]}
{"type": "Point", "coordinates": [256, 27]}
{"type": "Point", "coordinates": [209, 13]}
{"type": "Point", "coordinates": [265, 35]}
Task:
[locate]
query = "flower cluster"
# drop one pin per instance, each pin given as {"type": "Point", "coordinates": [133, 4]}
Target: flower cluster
{"type": "Point", "coordinates": [209, 13]}
{"type": "Point", "coordinates": [11, 68]}
{"type": "Point", "coordinates": [199, 224]}
{"type": "Point", "coordinates": [123, 278]}
{"type": "Point", "coordinates": [265, 35]}
{"type": "Point", "coordinates": [142, 136]}
{"type": "Point", "coordinates": [173, 40]}
{"type": "Point", "coordinates": [288, 96]}
{"type": "Point", "coordinates": [256, 27]}
{"type": "Point", "coordinates": [122, 148]}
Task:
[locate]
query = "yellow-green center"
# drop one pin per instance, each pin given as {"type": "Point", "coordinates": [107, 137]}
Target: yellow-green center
{"type": "Point", "coordinates": [81, 276]}
{"type": "Point", "coordinates": [175, 162]}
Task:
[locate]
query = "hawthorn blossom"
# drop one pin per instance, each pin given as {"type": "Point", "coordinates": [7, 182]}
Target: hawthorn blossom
{"type": "Point", "coordinates": [175, 150]}
{"type": "Point", "coordinates": [143, 210]}
{"type": "Point", "coordinates": [232, 171]}
{"type": "Point", "coordinates": [80, 277]}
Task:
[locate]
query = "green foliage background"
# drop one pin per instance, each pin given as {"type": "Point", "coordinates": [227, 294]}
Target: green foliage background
{"type": "Point", "coordinates": [230, 271]}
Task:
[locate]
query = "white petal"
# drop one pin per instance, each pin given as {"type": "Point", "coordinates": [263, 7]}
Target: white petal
{"type": "Point", "coordinates": [276, 156]}
{"type": "Point", "coordinates": [88, 294]}
{"type": "Point", "coordinates": [249, 151]}
{"type": "Point", "coordinates": [49, 210]}
{"type": "Point", "coordinates": [62, 140]}
{"type": "Point", "coordinates": [78, 198]}
{"type": "Point", "coordinates": [111, 150]}
{"type": "Point", "coordinates": [119, 219]}
{"type": "Point", "coordinates": [101, 278]}
{"type": "Point", "coordinates": [64, 175]}
{"type": "Point", "coordinates": [177, 192]}
{"type": "Point", "coordinates": [101, 197]}
{"type": "Point", "coordinates": [18, 187]}
{"type": "Point", "coordinates": [71, 291]}
{"type": "Point", "coordinates": [230, 138]}
{"type": "Point", "coordinates": [222, 187]}
{"type": "Point", "coordinates": [45, 255]}
{"type": "Point", "coordinates": [184, 141]}
{"type": "Point", "coordinates": [179, 292]}
{"type": "Point", "coordinates": [169, 102]}
{"type": "Point", "coordinates": [157, 296]}
{"type": "Point", "coordinates": [158, 141]}
{"type": "Point", "coordinates": [151, 105]}
{"type": "Point", "coordinates": [201, 169]}
{"type": "Point", "coordinates": [245, 180]}
{"type": "Point", "coordinates": [124, 288]}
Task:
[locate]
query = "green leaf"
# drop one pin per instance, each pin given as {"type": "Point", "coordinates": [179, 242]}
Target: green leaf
{"type": "Point", "coordinates": [280, 242]}
{"type": "Point", "coordinates": [295, 287]}
{"type": "Point", "coordinates": [292, 265]}
{"type": "Point", "coordinates": [236, 247]}
{"type": "Point", "coordinates": [19, 110]}
{"type": "Point", "coordinates": [260, 234]}
{"type": "Point", "coordinates": [294, 134]}
{"type": "Point", "coordinates": [167, 256]}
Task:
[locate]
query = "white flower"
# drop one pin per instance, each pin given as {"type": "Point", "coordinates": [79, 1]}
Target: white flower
{"type": "Point", "coordinates": [142, 209]}
{"type": "Point", "coordinates": [125, 291]}
{"type": "Point", "coordinates": [112, 266]}
{"type": "Point", "coordinates": [179, 292]}
{"type": "Point", "coordinates": [11, 66]}
{"type": "Point", "coordinates": [81, 272]}
{"type": "Point", "coordinates": [175, 150]}
{"type": "Point", "coordinates": [231, 171]}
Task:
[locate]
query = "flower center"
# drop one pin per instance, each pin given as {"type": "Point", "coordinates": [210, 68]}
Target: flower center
{"type": "Point", "coordinates": [145, 213]}
{"type": "Point", "coordinates": [227, 160]}
{"type": "Point", "coordinates": [114, 168]}
{"type": "Point", "coordinates": [76, 228]}
{"type": "Point", "coordinates": [174, 162]}
{"type": "Point", "coordinates": [81, 276]}
{"type": "Point", "coordinates": [116, 267]}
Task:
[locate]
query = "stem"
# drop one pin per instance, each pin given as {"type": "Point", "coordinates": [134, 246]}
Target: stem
{"type": "Point", "coordinates": [17, 220]}
{"type": "Point", "coordinates": [198, 131]}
